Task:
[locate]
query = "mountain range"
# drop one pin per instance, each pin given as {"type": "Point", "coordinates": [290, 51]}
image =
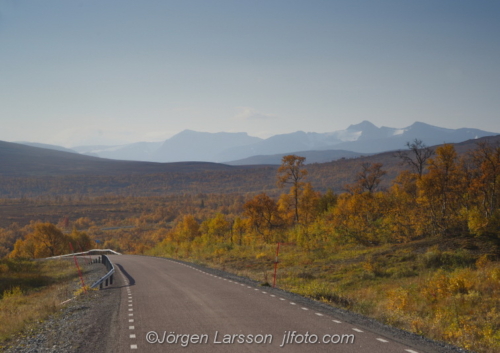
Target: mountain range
{"type": "Point", "coordinates": [240, 148]}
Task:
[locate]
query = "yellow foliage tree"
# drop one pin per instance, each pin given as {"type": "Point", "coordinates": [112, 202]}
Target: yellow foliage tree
{"type": "Point", "coordinates": [359, 217]}
{"type": "Point", "coordinates": [442, 191]}
{"type": "Point", "coordinates": [292, 172]}
{"type": "Point", "coordinates": [263, 215]}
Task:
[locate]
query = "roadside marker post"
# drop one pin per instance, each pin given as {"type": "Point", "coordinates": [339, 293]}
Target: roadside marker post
{"type": "Point", "coordinates": [277, 261]}
{"type": "Point", "coordinates": [78, 268]}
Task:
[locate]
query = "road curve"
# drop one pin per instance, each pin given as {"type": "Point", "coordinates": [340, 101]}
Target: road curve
{"type": "Point", "coordinates": [190, 310]}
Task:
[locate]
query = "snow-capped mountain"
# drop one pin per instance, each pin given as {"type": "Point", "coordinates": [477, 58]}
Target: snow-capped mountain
{"type": "Point", "coordinates": [364, 137]}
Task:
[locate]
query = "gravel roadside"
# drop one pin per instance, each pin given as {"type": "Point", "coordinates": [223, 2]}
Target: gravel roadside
{"type": "Point", "coordinates": [80, 325]}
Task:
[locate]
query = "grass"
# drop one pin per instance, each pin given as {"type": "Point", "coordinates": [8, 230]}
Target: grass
{"type": "Point", "coordinates": [32, 290]}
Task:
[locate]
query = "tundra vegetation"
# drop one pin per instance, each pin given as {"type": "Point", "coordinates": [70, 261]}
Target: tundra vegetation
{"type": "Point", "coordinates": [421, 253]}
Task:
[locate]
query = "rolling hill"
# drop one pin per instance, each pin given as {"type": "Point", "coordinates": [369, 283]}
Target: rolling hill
{"type": "Point", "coordinates": [311, 157]}
{"type": "Point", "coordinates": [28, 172]}
{"type": "Point", "coordinates": [22, 160]}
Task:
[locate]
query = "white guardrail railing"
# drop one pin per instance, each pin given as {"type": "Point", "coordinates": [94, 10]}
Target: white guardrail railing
{"type": "Point", "coordinates": [104, 260]}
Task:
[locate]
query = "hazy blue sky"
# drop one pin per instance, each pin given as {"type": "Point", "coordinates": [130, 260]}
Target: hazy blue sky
{"type": "Point", "coordinates": [74, 72]}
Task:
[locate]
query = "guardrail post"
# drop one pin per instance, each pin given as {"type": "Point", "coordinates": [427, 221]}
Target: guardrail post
{"type": "Point", "coordinates": [109, 277]}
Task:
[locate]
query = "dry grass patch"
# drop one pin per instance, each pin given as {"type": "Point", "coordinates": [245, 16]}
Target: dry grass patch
{"type": "Point", "coordinates": [30, 291]}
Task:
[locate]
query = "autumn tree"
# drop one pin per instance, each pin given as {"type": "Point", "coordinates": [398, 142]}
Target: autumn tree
{"type": "Point", "coordinates": [308, 207]}
{"type": "Point", "coordinates": [216, 228]}
{"type": "Point", "coordinates": [46, 240]}
{"type": "Point", "coordinates": [327, 201]}
{"type": "Point", "coordinates": [442, 189]}
{"type": "Point", "coordinates": [262, 212]}
{"type": "Point", "coordinates": [486, 159]}
{"type": "Point", "coordinates": [238, 230]}
{"type": "Point", "coordinates": [188, 228]}
{"type": "Point", "coordinates": [417, 156]}
{"type": "Point", "coordinates": [484, 217]}
{"type": "Point", "coordinates": [24, 248]}
{"type": "Point", "coordinates": [50, 238]}
{"type": "Point", "coordinates": [359, 217]}
{"type": "Point", "coordinates": [404, 217]}
{"type": "Point", "coordinates": [81, 241]}
{"type": "Point", "coordinates": [292, 172]}
{"type": "Point", "coordinates": [368, 179]}
{"type": "Point", "coordinates": [83, 223]}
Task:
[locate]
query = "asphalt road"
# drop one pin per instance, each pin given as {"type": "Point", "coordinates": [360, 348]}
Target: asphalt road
{"type": "Point", "coordinates": [190, 310]}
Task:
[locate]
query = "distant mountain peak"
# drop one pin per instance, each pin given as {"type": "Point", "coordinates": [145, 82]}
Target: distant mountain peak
{"type": "Point", "coordinates": [363, 126]}
{"type": "Point", "coordinates": [188, 132]}
{"type": "Point", "coordinates": [420, 124]}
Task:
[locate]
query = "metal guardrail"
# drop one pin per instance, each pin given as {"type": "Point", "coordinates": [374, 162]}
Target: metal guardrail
{"type": "Point", "coordinates": [89, 252]}
{"type": "Point", "coordinates": [108, 277]}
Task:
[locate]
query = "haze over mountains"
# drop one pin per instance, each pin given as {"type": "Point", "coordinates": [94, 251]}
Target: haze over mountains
{"type": "Point", "coordinates": [31, 171]}
{"type": "Point", "coordinates": [240, 148]}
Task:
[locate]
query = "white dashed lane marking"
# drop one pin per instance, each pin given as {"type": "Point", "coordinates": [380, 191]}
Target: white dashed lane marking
{"type": "Point", "coordinates": [131, 336]}
{"type": "Point", "coordinates": [263, 292]}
